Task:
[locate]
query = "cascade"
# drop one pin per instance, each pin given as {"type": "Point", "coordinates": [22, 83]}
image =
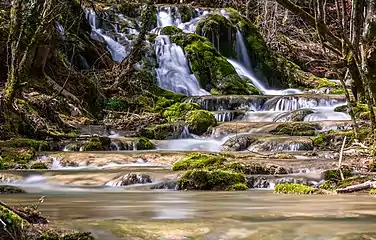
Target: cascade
{"type": "Point", "coordinates": [173, 72]}
{"type": "Point", "coordinates": [168, 16]}
{"type": "Point", "coordinates": [117, 50]}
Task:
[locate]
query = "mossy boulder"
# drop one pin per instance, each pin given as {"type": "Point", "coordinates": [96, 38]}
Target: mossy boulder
{"type": "Point", "coordinates": [212, 70]}
{"type": "Point", "coordinates": [163, 131]}
{"type": "Point", "coordinates": [25, 143]}
{"type": "Point", "coordinates": [255, 168]}
{"type": "Point", "coordinates": [296, 129]}
{"type": "Point", "coordinates": [293, 188]}
{"type": "Point", "coordinates": [38, 165]}
{"type": "Point", "coordinates": [98, 144]}
{"type": "Point", "coordinates": [333, 139]}
{"type": "Point", "coordinates": [221, 33]}
{"type": "Point", "coordinates": [335, 175]}
{"type": "Point", "coordinates": [199, 121]}
{"type": "Point", "coordinates": [13, 156]}
{"type": "Point", "coordinates": [170, 30]}
{"type": "Point", "coordinates": [178, 111]}
{"type": "Point", "coordinates": [199, 161]}
{"type": "Point", "coordinates": [55, 235]}
{"type": "Point", "coordinates": [186, 13]}
{"type": "Point", "coordinates": [143, 143]}
{"type": "Point", "coordinates": [342, 108]}
{"type": "Point", "coordinates": [10, 190]}
{"type": "Point", "coordinates": [210, 180]}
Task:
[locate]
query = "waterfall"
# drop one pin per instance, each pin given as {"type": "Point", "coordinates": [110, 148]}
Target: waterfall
{"type": "Point", "coordinates": [168, 16]}
{"type": "Point", "coordinates": [118, 51]}
{"type": "Point", "coordinates": [173, 72]}
{"type": "Point", "coordinates": [241, 50]}
{"type": "Point", "coordinates": [185, 133]}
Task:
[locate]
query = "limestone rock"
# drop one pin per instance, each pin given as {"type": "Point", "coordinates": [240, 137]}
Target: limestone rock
{"type": "Point", "coordinates": [130, 179]}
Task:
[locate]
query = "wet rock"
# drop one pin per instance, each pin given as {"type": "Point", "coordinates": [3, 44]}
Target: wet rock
{"type": "Point", "coordinates": [257, 182]}
{"type": "Point", "coordinates": [239, 143]}
{"type": "Point", "coordinates": [10, 190]}
{"type": "Point", "coordinates": [281, 144]}
{"type": "Point", "coordinates": [297, 129]}
{"type": "Point", "coordinates": [291, 180]}
{"type": "Point", "coordinates": [130, 179]}
{"type": "Point", "coordinates": [167, 185]}
{"type": "Point", "coordinates": [8, 179]}
{"type": "Point", "coordinates": [38, 165]}
{"type": "Point", "coordinates": [294, 116]}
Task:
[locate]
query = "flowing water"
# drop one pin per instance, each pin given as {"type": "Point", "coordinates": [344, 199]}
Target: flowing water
{"type": "Point", "coordinates": [84, 190]}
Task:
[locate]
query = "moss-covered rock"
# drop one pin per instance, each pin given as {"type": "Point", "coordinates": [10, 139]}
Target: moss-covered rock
{"type": "Point", "coordinates": [97, 144]}
{"type": "Point", "coordinates": [342, 108]}
{"type": "Point", "coordinates": [221, 33]}
{"type": "Point", "coordinates": [54, 235]}
{"type": "Point", "coordinates": [255, 168]}
{"type": "Point", "coordinates": [212, 69]}
{"type": "Point", "coordinates": [335, 175]}
{"type": "Point", "coordinates": [10, 190]}
{"type": "Point", "coordinates": [328, 185]}
{"type": "Point", "coordinates": [210, 180]}
{"type": "Point", "coordinates": [25, 143]}
{"type": "Point", "coordinates": [372, 191]}
{"type": "Point", "coordinates": [293, 188]}
{"type": "Point", "coordinates": [16, 156]}
{"type": "Point", "coordinates": [199, 121]}
{"type": "Point", "coordinates": [199, 161]}
{"type": "Point", "coordinates": [38, 165]}
{"type": "Point", "coordinates": [333, 139]}
{"type": "Point", "coordinates": [297, 129]}
{"type": "Point", "coordinates": [143, 143]}
{"type": "Point", "coordinates": [170, 30]}
{"type": "Point", "coordinates": [178, 111]}
{"type": "Point", "coordinates": [353, 181]}
{"type": "Point", "coordinates": [163, 131]}
{"type": "Point", "coordinates": [186, 13]}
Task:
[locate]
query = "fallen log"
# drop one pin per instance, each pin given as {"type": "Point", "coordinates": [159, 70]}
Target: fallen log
{"type": "Point", "coordinates": [357, 188]}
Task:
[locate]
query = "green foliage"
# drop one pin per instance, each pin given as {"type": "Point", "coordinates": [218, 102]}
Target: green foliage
{"type": "Point", "coordinates": [116, 104]}
{"type": "Point", "coordinates": [170, 30]}
{"type": "Point", "coordinates": [292, 188]}
{"type": "Point", "coordinates": [199, 161]}
{"type": "Point", "coordinates": [328, 185]}
{"type": "Point", "coordinates": [15, 225]}
{"type": "Point", "coordinates": [199, 121]}
{"type": "Point", "coordinates": [143, 143]}
{"type": "Point", "coordinates": [238, 187]}
{"type": "Point", "coordinates": [335, 175]}
{"type": "Point", "coordinates": [25, 143]}
{"type": "Point", "coordinates": [372, 191]}
{"type": "Point", "coordinates": [1, 163]}
{"type": "Point", "coordinates": [296, 129]}
{"type": "Point", "coordinates": [178, 111]}
{"type": "Point", "coordinates": [210, 180]}
{"type": "Point", "coordinates": [17, 156]}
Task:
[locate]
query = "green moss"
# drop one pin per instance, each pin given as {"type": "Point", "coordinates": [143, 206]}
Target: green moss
{"type": "Point", "coordinates": [342, 108]}
{"type": "Point", "coordinates": [178, 111]}
{"type": "Point", "coordinates": [328, 185]}
{"type": "Point", "coordinates": [38, 165]}
{"type": "Point", "coordinates": [353, 181]}
{"type": "Point", "coordinates": [199, 161]}
{"type": "Point", "coordinates": [292, 188]}
{"type": "Point", "coordinates": [143, 143]}
{"type": "Point", "coordinates": [337, 91]}
{"type": "Point", "coordinates": [220, 31]}
{"type": "Point", "coordinates": [335, 175]}
{"type": "Point", "coordinates": [325, 83]}
{"type": "Point", "coordinates": [54, 235]}
{"type": "Point", "coordinates": [10, 190]}
{"type": "Point", "coordinates": [238, 187]}
{"type": "Point", "coordinates": [14, 225]}
{"type": "Point", "coordinates": [116, 104]}
{"type": "Point", "coordinates": [210, 180]}
{"type": "Point", "coordinates": [17, 155]}
{"type": "Point", "coordinates": [163, 131]}
{"type": "Point", "coordinates": [97, 144]}
{"type": "Point", "coordinates": [170, 30]}
{"type": "Point", "coordinates": [210, 67]}
{"type": "Point", "coordinates": [333, 139]}
{"type": "Point", "coordinates": [186, 13]}
{"type": "Point", "coordinates": [199, 121]}
{"type": "Point", "coordinates": [372, 191]}
{"type": "Point", "coordinates": [296, 129]}
{"type": "Point", "coordinates": [25, 143]}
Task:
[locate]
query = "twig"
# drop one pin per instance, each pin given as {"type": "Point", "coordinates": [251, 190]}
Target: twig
{"type": "Point", "coordinates": [340, 158]}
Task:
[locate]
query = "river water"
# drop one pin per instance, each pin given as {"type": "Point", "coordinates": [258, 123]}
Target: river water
{"type": "Point", "coordinates": [210, 215]}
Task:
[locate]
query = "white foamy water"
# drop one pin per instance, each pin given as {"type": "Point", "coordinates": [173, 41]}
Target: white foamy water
{"type": "Point", "coordinates": [174, 72]}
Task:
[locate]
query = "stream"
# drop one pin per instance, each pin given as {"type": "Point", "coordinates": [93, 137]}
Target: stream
{"type": "Point", "coordinates": [80, 195]}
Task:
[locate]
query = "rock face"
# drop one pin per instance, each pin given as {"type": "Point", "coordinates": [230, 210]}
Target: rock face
{"type": "Point", "coordinates": [130, 179]}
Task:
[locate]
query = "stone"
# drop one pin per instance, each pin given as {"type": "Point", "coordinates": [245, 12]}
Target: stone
{"type": "Point", "coordinates": [130, 179]}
